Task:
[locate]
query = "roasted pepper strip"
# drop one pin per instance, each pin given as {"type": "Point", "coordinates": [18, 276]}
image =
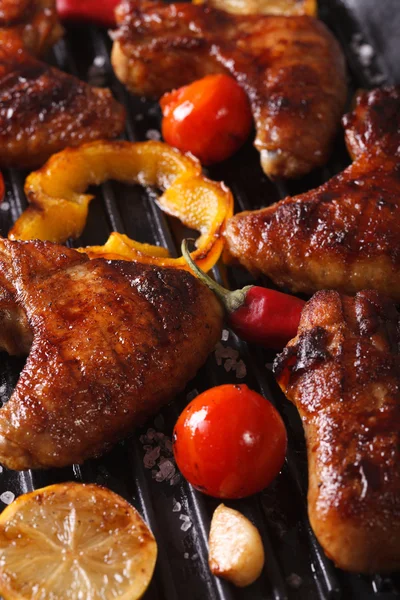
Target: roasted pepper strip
{"type": "Point", "coordinates": [59, 207]}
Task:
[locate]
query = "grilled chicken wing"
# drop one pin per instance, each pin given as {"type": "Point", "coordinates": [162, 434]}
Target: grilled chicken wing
{"type": "Point", "coordinates": [374, 122]}
{"type": "Point", "coordinates": [34, 21]}
{"type": "Point", "coordinates": [112, 342]}
{"type": "Point", "coordinates": [43, 110]}
{"type": "Point", "coordinates": [345, 235]}
{"type": "Point", "coordinates": [291, 67]}
{"type": "Point", "coordinates": [342, 372]}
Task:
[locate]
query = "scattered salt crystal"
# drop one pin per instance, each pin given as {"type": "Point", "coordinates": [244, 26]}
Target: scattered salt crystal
{"type": "Point", "coordinates": [5, 206]}
{"type": "Point", "coordinates": [176, 506]}
{"type": "Point", "coordinates": [99, 61]}
{"type": "Point", "coordinates": [184, 518]}
{"type": "Point", "coordinates": [7, 497]}
{"type": "Point", "coordinates": [195, 556]}
{"type": "Point", "coordinates": [225, 335]}
{"type": "Point", "coordinates": [175, 479]}
{"type": "Point", "coordinates": [168, 445]}
{"type": "Point", "coordinates": [241, 370]}
{"type": "Point", "coordinates": [186, 555]}
{"type": "Point", "coordinates": [151, 457]}
{"type": "Point", "coordinates": [228, 365]}
{"type": "Point", "coordinates": [191, 395]}
{"type": "Point", "coordinates": [167, 470]}
{"type": "Point", "coordinates": [153, 134]}
{"type": "Point", "coordinates": [365, 53]}
{"type": "Point", "coordinates": [187, 523]}
{"type": "Point", "coordinates": [294, 580]}
{"type": "Point", "coordinates": [1, 469]}
{"type": "Point", "coordinates": [151, 433]}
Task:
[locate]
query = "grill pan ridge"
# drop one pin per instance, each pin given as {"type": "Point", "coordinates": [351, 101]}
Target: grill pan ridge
{"type": "Point", "coordinates": [296, 567]}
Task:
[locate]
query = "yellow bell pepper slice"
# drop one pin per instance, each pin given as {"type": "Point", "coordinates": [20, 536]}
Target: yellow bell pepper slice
{"type": "Point", "coordinates": [58, 207]}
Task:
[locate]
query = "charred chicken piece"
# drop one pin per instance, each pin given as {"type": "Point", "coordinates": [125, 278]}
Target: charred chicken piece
{"type": "Point", "coordinates": [375, 122]}
{"type": "Point", "coordinates": [292, 69]}
{"type": "Point", "coordinates": [111, 341]}
{"type": "Point", "coordinates": [34, 21]}
{"type": "Point", "coordinates": [342, 372]}
{"type": "Point", "coordinates": [43, 110]}
{"type": "Point", "coordinates": [344, 235]}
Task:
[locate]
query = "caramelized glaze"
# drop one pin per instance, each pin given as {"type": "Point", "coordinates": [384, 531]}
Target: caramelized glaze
{"type": "Point", "coordinates": [291, 67]}
{"type": "Point", "coordinates": [43, 110]}
{"type": "Point", "coordinates": [374, 122]}
{"type": "Point", "coordinates": [34, 21]}
{"type": "Point", "coordinates": [344, 235]}
{"type": "Point", "coordinates": [342, 371]}
{"type": "Point", "coordinates": [112, 342]}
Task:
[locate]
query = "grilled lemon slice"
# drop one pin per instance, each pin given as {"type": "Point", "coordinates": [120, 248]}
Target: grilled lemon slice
{"type": "Point", "coordinates": [74, 542]}
{"type": "Point", "coordinates": [265, 7]}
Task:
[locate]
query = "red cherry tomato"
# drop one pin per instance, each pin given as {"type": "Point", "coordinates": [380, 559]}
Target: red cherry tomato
{"type": "Point", "coordinates": [230, 442]}
{"type": "Point", "coordinates": [211, 118]}
{"type": "Point", "coordinates": [2, 188]}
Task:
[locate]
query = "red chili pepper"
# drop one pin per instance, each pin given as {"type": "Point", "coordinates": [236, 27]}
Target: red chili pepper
{"type": "Point", "coordinates": [256, 314]}
{"type": "Point", "coordinates": [100, 12]}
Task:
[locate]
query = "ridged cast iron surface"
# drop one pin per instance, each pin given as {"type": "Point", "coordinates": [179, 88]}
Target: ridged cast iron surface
{"type": "Point", "coordinates": [296, 567]}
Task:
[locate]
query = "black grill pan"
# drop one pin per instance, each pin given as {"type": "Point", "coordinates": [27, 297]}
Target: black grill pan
{"type": "Point", "coordinates": [141, 468]}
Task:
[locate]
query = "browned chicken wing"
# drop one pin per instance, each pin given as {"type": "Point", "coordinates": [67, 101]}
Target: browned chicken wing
{"type": "Point", "coordinates": [374, 122]}
{"type": "Point", "coordinates": [345, 235]}
{"type": "Point", "coordinates": [34, 21]}
{"type": "Point", "coordinates": [342, 371]}
{"type": "Point", "coordinates": [291, 67]}
{"type": "Point", "coordinates": [110, 342]}
{"type": "Point", "coordinates": [43, 110]}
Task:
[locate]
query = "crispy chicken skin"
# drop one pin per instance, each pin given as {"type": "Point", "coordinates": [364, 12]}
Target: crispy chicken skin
{"type": "Point", "coordinates": [34, 21]}
{"type": "Point", "coordinates": [342, 372]}
{"type": "Point", "coordinates": [374, 122]}
{"type": "Point", "coordinates": [344, 235]}
{"type": "Point", "coordinates": [112, 342]}
{"type": "Point", "coordinates": [291, 68]}
{"type": "Point", "coordinates": [43, 110]}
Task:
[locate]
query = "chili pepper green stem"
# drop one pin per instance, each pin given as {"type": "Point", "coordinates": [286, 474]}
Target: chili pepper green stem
{"type": "Point", "coordinates": [230, 300]}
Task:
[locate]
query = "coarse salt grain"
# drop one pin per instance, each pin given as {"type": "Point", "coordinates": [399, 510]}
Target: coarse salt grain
{"type": "Point", "coordinates": [225, 335]}
{"type": "Point", "coordinates": [99, 61]}
{"type": "Point", "coordinates": [176, 506]}
{"type": "Point", "coordinates": [151, 457]}
{"type": "Point", "coordinates": [241, 370]}
{"type": "Point", "coordinates": [228, 364]}
{"type": "Point", "coordinates": [187, 523]}
{"type": "Point", "coordinates": [7, 497]}
{"type": "Point", "coordinates": [294, 580]}
{"type": "Point", "coordinates": [153, 134]}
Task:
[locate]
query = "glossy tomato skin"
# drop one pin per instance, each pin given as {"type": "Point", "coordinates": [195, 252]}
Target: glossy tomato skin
{"type": "Point", "coordinates": [230, 442]}
{"type": "Point", "coordinates": [211, 118]}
